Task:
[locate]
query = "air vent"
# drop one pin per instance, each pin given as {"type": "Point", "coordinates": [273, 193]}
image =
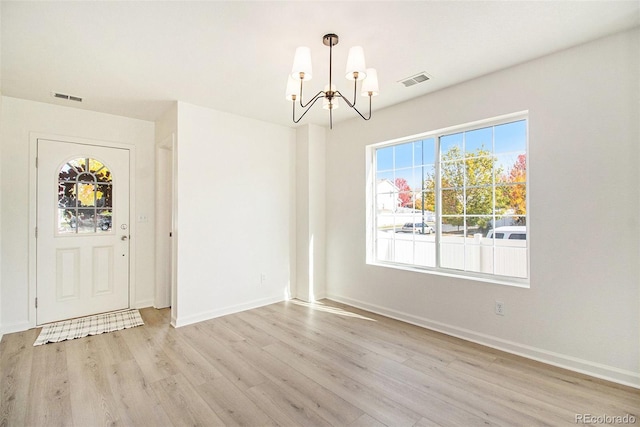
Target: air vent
{"type": "Point", "coordinates": [414, 80]}
{"type": "Point", "coordinates": [65, 96]}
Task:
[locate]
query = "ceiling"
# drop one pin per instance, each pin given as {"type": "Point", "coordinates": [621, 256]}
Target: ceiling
{"type": "Point", "coordinates": [135, 58]}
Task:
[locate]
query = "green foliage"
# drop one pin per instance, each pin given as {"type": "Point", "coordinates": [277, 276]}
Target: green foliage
{"type": "Point", "coordinates": [470, 178]}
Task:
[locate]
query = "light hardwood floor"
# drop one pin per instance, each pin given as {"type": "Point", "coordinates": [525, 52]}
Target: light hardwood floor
{"type": "Point", "coordinates": [289, 364]}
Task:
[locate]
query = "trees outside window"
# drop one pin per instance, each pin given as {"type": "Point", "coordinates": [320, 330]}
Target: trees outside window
{"type": "Point", "coordinates": [462, 184]}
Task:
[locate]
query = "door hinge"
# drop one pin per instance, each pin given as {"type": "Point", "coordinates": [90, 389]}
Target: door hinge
{"type": "Point", "coordinates": [36, 162]}
{"type": "Point", "coordinates": [36, 232]}
{"type": "Point", "coordinates": [36, 302]}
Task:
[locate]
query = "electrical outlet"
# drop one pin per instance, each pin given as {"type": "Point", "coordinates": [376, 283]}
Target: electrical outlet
{"type": "Point", "coordinates": [263, 278]}
{"type": "Point", "coordinates": [499, 308]}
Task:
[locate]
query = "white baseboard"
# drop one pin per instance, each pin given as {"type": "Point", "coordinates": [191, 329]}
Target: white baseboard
{"type": "Point", "coordinates": [144, 303]}
{"type": "Point", "coordinates": [594, 369]}
{"type": "Point", "coordinates": [201, 317]}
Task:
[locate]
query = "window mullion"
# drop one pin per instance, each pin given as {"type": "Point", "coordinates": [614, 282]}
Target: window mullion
{"type": "Point", "coordinates": [438, 199]}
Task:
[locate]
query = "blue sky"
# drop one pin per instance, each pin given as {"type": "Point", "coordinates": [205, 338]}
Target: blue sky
{"type": "Point", "coordinates": [508, 141]}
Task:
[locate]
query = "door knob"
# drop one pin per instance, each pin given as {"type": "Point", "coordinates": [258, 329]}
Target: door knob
{"type": "Point", "coordinates": [124, 238]}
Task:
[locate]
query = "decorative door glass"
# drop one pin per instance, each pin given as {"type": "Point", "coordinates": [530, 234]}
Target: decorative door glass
{"type": "Point", "coordinates": [85, 195]}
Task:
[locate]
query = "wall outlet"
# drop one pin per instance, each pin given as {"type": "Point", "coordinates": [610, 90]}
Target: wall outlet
{"type": "Point", "coordinates": [499, 308]}
{"type": "Point", "coordinates": [263, 278]}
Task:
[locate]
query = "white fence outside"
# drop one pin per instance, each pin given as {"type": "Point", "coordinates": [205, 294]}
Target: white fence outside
{"type": "Point", "coordinates": [478, 254]}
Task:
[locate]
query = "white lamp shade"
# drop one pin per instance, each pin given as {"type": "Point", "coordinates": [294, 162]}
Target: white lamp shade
{"type": "Point", "coordinates": [293, 88]}
{"type": "Point", "coordinates": [302, 63]}
{"type": "Point", "coordinates": [355, 63]}
{"type": "Point", "coordinates": [370, 84]}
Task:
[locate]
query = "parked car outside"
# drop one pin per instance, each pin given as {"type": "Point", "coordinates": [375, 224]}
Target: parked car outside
{"type": "Point", "coordinates": [511, 232]}
{"type": "Point", "coordinates": [417, 227]}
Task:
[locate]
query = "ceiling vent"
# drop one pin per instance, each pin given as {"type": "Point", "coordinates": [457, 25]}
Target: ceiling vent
{"type": "Point", "coordinates": [414, 80]}
{"type": "Point", "coordinates": [65, 96]}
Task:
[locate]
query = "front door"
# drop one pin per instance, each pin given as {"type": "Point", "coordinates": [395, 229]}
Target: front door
{"type": "Point", "coordinates": [82, 230]}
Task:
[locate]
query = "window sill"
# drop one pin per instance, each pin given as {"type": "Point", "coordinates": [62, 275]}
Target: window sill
{"type": "Point", "coordinates": [497, 280]}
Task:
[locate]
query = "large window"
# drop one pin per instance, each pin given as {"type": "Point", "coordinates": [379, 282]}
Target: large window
{"type": "Point", "coordinates": [454, 201]}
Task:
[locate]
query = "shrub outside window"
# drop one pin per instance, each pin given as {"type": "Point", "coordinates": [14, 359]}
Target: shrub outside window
{"type": "Point", "coordinates": [454, 201]}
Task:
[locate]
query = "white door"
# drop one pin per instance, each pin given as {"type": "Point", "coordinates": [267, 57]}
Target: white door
{"type": "Point", "coordinates": [82, 235]}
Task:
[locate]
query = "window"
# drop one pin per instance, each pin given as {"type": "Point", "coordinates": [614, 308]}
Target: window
{"type": "Point", "coordinates": [454, 201]}
{"type": "Point", "coordinates": [85, 191]}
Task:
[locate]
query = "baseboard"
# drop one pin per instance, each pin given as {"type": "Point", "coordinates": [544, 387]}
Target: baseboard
{"type": "Point", "coordinates": [598, 370]}
{"type": "Point", "coordinates": [201, 317]}
{"type": "Point", "coordinates": [144, 303]}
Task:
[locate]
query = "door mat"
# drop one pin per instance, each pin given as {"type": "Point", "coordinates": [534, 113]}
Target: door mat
{"type": "Point", "coordinates": [92, 325]}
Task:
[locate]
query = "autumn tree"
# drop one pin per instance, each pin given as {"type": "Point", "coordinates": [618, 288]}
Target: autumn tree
{"type": "Point", "coordinates": [516, 190]}
{"type": "Point", "coordinates": [405, 192]}
{"type": "Point", "coordinates": [466, 187]}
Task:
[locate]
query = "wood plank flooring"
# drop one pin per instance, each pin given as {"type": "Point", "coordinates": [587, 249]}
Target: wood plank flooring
{"type": "Point", "coordinates": [289, 364]}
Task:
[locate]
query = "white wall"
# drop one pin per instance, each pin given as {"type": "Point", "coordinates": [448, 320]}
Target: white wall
{"type": "Point", "coordinates": [310, 213]}
{"type": "Point", "coordinates": [584, 196]}
{"type": "Point", "coordinates": [235, 182]}
{"type": "Point", "coordinates": [166, 130]}
{"type": "Point", "coordinates": [19, 119]}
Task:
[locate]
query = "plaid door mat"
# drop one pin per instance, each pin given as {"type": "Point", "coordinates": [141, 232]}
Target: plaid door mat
{"type": "Point", "coordinates": [92, 325]}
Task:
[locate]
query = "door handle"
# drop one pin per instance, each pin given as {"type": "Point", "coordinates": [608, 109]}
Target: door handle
{"type": "Point", "coordinates": [124, 238]}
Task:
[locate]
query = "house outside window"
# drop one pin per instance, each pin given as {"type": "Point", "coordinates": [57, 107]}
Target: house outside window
{"type": "Point", "coordinates": [454, 201]}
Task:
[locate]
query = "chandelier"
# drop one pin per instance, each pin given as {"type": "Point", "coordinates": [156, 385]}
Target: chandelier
{"type": "Point", "coordinates": [356, 70]}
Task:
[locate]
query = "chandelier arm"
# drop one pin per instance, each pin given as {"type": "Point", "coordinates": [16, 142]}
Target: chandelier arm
{"type": "Point", "coordinates": [310, 104]}
{"type": "Point", "coordinates": [312, 100]}
{"type": "Point", "coordinates": [354, 106]}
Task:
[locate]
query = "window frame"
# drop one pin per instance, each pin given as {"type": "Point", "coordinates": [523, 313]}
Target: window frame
{"type": "Point", "coordinates": [371, 200]}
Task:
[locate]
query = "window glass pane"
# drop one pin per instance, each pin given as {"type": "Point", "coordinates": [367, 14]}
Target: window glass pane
{"type": "Point", "coordinates": [424, 204]}
{"type": "Point", "coordinates": [510, 258]}
{"type": "Point", "coordinates": [418, 153]}
{"type": "Point", "coordinates": [429, 151]}
{"type": "Point", "coordinates": [384, 158]}
{"type": "Point", "coordinates": [66, 221]}
{"type": "Point", "coordinates": [403, 155]}
{"type": "Point", "coordinates": [478, 169]}
{"type": "Point", "coordinates": [479, 201]}
{"type": "Point", "coordinates": [85, 222]}
{"type": "Point", "coordinates": [100, 171]}
{"type": "Point", "coordinates": [103, 195]}
{"type": "Point", "coordinates": [451, 146]}
{"type": "Point", "coordinates": [517, 200]}
{"type": "Point", "coordinates": [86, 194]}
{"type": "Point", "coordinates": [105, 220]}
{"type": "Point", "coordinates": [477, 225]}
{"type": "Point", "coordinates": [510, 167]}
{"type": "Point", "coordinates": [452, 202]}
{"type": "Point", "coordinates": [425, 252]}
{"type": "Point", "coordinates": [479, 140]}
{"type": "Point", "coordinates": [511, 137]}
{"type": "Point", "coordinates": [452, 252]}
{"type": "Point", "coordinates": [387, 202]}
{"type": "Point", "coordinates": [452, 174]}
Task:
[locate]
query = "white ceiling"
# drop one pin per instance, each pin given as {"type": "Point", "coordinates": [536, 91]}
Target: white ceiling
{"type": "Point", "coordinates": [135, 58]}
